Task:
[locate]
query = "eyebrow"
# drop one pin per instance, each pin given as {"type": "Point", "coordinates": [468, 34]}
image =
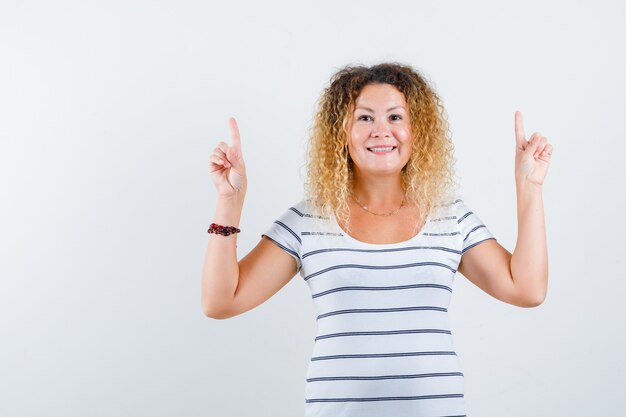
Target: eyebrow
{"type": "Point", "coordinates": [389, 109]}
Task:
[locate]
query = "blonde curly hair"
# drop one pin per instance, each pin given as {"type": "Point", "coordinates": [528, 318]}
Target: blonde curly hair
{"type": "Point", "coordinates": [428, 178]}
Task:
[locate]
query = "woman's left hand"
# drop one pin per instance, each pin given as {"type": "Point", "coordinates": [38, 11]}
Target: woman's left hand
{"type": "Point", "coordinates": [532, 157]}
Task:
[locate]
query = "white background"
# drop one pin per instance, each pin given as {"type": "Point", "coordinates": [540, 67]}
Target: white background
{"type": "Point", "coordinates": [109, 112]}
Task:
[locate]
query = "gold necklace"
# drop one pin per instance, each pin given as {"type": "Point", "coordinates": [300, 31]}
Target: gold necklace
{"type": "Point", "coordinates": [377, 214]}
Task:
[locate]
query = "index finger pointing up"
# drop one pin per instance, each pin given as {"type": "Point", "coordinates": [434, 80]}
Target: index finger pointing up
{"type": "Point", "coordinates": [519, 129]}
{"type": "Point", "coordinates": [234, 133]}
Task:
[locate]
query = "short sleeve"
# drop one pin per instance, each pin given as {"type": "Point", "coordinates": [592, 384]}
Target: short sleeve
{"type": "Point", "coordinates": [473, 230]}
{"type": "Point", "coordinates": [285, 232]}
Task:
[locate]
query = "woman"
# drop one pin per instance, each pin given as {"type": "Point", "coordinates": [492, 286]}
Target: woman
{"type": "Point", "coordinates": [379, 239]}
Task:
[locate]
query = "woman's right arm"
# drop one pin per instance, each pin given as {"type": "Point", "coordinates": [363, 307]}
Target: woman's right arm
{"type": "Point", "coordinates": [229, 287]}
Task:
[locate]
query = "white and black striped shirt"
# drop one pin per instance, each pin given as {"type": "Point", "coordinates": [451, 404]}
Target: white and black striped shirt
{"type": "Point", "coordinates": [383, 346]}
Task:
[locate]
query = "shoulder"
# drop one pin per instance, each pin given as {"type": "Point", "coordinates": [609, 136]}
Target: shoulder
{"type": "Point", "coordinates": [298, 215]}
{"type": "Point", "coordinates": [457, 208]}
{"type": "Point", "coordinates": [306, 210]}
{"type": "Point", "coordinates": [294, 215]}
{"type": "Point", "coordinates": [300, 208]}
{"type": "Point", "coordinates": [449, 209]}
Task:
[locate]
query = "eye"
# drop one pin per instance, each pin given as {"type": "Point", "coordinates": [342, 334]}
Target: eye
{"type": "Point", "coordinates": [362, 117]}
{"type": "Point", "coordinates": [396, 115]}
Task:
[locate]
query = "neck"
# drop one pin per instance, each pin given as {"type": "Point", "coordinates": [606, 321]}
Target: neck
{"type": "Point", "coordinates": [378, 192]}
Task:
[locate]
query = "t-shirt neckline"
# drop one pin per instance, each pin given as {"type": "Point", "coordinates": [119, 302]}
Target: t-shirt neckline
{"type": "Point", "coordinates": [381, 245]}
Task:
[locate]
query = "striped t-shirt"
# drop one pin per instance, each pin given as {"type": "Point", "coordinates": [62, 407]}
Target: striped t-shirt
{"type": "Point", "coordinates": [383, 346]}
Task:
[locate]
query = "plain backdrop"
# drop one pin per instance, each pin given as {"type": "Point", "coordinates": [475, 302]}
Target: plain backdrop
{"type": "Point", "coordinates": [109, 112]}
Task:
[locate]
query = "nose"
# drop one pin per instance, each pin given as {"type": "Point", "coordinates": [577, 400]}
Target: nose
{"type": "Point", "coordinates": [380, 128]}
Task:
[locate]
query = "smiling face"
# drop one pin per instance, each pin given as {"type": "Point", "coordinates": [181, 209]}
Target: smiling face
{"type": "Point", "coordinates": [380, 120]}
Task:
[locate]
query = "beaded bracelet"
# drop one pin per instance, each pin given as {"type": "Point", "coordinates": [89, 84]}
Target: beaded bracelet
{"type": "Point", "coordinates": [223, 230]}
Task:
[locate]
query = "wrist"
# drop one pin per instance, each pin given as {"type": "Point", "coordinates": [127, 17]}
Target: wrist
{"type": "Point", "coordinates": [235, 198]}
{"type": "Point", "coordinates": [228, 210]}
{"type": "Point", "coordinates": [528, 193]}
{"type": "Point", "coordinates": [528, 186]}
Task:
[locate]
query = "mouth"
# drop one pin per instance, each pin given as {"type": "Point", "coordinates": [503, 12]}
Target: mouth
{"type": "Point", "coordinates": [381, 150]}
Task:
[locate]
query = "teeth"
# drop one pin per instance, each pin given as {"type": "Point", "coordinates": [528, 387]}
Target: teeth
{"type": "Point", "coordinates": [381, 149]}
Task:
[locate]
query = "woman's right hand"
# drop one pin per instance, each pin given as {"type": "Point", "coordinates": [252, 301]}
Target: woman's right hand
{"type": "Point", "coordinates": [227, 169]}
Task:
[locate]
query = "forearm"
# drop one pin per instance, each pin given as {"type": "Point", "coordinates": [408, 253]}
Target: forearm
{"type": "Point", "coordinates": [529, 263]}
{"type": "Point", "coordinates": [220, 275]}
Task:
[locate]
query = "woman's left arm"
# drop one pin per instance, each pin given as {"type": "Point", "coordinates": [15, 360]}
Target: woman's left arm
{"type": "Point", "coordinates": [529, 262]}
{"type": "Point", "coordinates": [520, 278]}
